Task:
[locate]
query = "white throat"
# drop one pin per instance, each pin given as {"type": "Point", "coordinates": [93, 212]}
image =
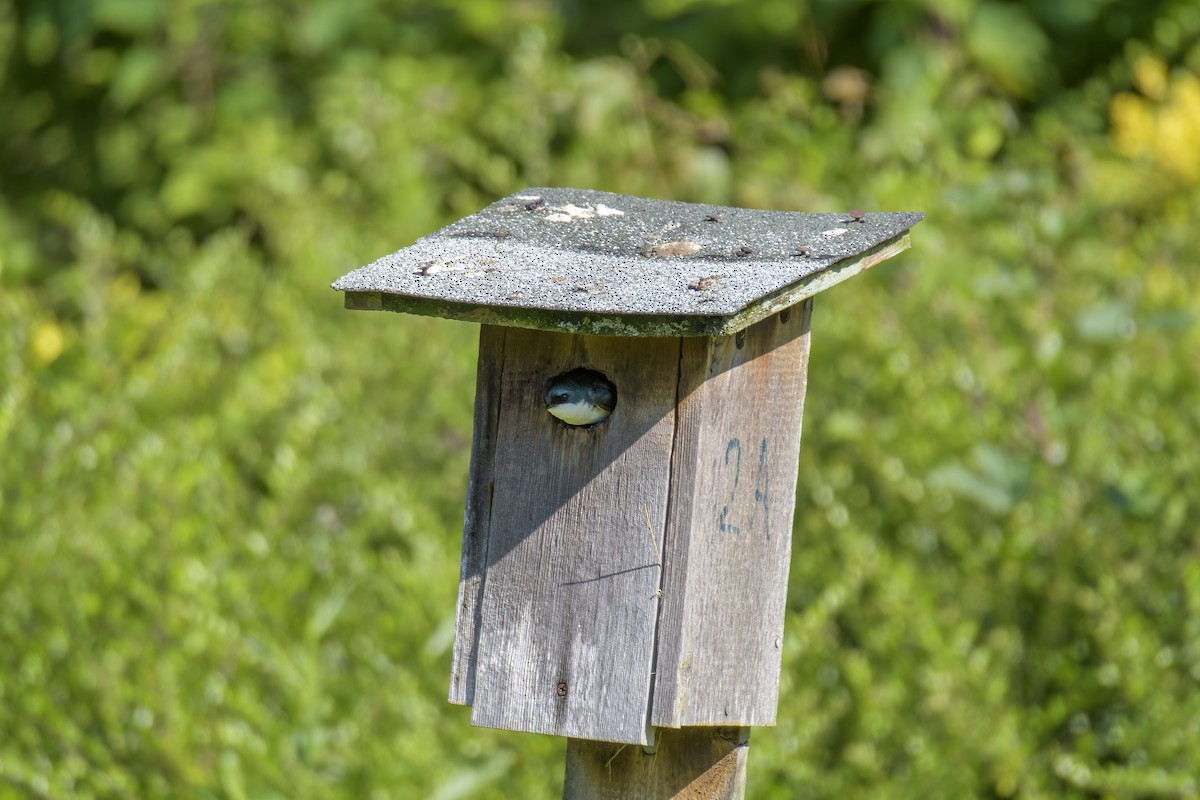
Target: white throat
{"type": "Point", "coordinates": [578, 413]}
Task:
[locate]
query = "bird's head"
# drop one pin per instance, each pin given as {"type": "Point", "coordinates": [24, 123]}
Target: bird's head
{"type": "Point", "coordinates": [581, 397]}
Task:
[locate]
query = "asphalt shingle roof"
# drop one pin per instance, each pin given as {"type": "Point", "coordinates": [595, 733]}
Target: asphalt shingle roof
{"type": "Point", "coordinates": [595, 262]}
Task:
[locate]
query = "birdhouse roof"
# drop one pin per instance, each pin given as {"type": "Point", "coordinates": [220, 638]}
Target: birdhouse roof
{"type": "Point", "coordinates": [600, 263]}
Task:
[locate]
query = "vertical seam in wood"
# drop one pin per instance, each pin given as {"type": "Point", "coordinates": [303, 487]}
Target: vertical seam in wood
{"type": "Point", "coordinates": [662, 554]}
{"type": "Point", "coordinates": [486, 531]}
{"type": "Point", "coordinates": [487, 547]}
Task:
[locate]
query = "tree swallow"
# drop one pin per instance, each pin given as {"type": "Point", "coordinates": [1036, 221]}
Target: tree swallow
{"type": "Point", "coordinates": [581, 397]}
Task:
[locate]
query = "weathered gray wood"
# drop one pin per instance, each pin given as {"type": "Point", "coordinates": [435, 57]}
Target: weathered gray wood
{"type": "Point", "coordinates": [728, 537]}
{"type": "Point", "coordinates": [688, 764]}
{"type": "Point", "coordinates": [565, 540]}
{"type": "Point", "coordinates": [570, 601]}
{"type": "Point", "coordinates": [593, 262]}
{"type": "Point", "coordinates": [475, 518]}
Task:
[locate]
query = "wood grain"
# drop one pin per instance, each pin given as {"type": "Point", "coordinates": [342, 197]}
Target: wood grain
{"type": "Point", "coordinates": [688, 764]}
{"type": "Point", "coordinates": [567, 530]}
{"type": "Point", "coordinates": [568, 609]}
{"type": "Point", "coordinates": [728, 538]}
{"type": "Point", "coordinates": [476, 516]}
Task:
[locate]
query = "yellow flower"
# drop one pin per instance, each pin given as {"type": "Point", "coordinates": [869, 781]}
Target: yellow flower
{"type": "Point", "coordinates": [1132, 124]}
{"type": "Point", "coordinates": [47, 341]}
{"type": "Point", "coordinates": [1164, 128]}
{"type": "Point", "coordinates": [1150, 77]}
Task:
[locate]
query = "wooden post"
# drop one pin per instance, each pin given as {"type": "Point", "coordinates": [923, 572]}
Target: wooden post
{"type": "Point", "coordinates": [623, 584]}
{"type": "Point", "coordinates": [689, 764]}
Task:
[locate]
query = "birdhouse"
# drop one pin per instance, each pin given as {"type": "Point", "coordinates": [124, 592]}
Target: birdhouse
{"type": "Point", "coordinates": [641, 381]}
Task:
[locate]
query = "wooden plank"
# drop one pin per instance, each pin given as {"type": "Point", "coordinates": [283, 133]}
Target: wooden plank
{"type": "Point", "coordinates": [728, 539]}
{"type": "Point", "coordinates": [691, 763]}
{"type": "Point", "coordinates": [476, 515]}
{"type": "Point", "coordinates": [571, 596]}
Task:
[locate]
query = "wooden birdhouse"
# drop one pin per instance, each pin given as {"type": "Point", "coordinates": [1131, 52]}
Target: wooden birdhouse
{"type": "Point", "coordinates": [641, 381]}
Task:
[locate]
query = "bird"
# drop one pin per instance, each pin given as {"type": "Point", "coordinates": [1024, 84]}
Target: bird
{"type": "Point", "coordinates": [581, 397]}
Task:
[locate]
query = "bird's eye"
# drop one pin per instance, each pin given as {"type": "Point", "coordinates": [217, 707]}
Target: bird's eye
{"type": "Point", "coordinates": [561, 397]}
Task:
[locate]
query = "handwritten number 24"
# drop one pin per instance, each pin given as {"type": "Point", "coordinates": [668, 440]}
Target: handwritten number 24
{"type": "Point", "coordinates": [734, 519]}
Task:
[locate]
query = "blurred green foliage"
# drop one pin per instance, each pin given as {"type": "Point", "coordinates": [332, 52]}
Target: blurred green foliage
{"type": "Point", "coordinates": [229, 510]}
